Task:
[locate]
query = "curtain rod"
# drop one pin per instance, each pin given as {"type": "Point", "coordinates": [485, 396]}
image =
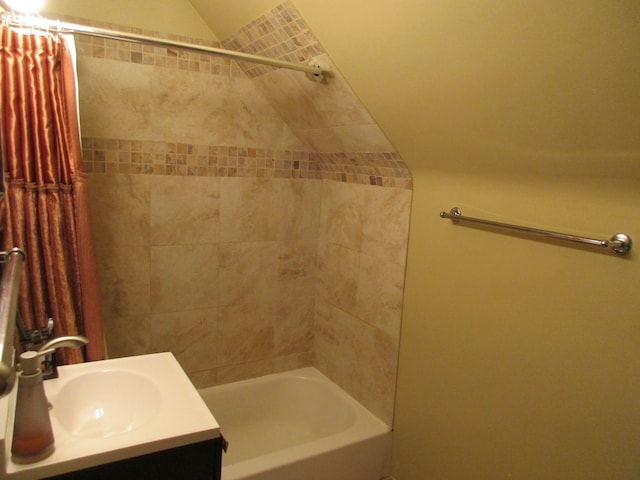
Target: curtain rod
{"type": "Point", "coordinates": [314, 72]}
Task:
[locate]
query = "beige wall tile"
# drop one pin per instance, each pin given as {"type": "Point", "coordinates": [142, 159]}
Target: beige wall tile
{"type": "Point", "coordinates": [385, 229]}
{"type": "Point", "coordinates": [124, 279]}
{"type": "Point", "coordinates": [322, 140]}
{"type": "Point", "coordinates": [290, 99]}
{"type": "Point", "coordinates": [296, 268]}
{"type": "Point", "coordinates": [190, 335]}
{"type": "Point", "coordinates": [347, 138]}
{"type": "Point", "coordinates": [380, 355]}
{"type": "Point", "coordinates": [338, 269]}
{"type": "Point", "coordinates": [359, 358]}
{"type": "Point", "coordinates": [127, 336]}
{"type": "Point", "coordinates": [342, 214]}
{"type": "Point", "coordinates": [298, 205]}
{"type": "Point", "coordinates": [246, 210]}
{"type": "Point", "coordinates": [120, 210]}
{"type": "Point", "coordinates": [379, 296]}
{"type": "Point", "coordinates": [141, 102]}
{"type": "Point", "coordinates": [292, 362]}
{"type": "Point", "coordinates": [336, 344]}
{"type": "Point", "coordinates": [294, 325]}
{"type": "Point", "coordinates": [185, 210]}
{"type": "Point", "coordinates": [183, 104]}
{"type": "Point", "coordinates": [246, 333]}
{"type": "Point", "coordinates": [204, 378]}
{"type": "Point", "coordinates": [333, 101]}
{"type": "Point", "coordinates": [242, 371]}
{"type": "Point", "coordinates": [183, 278]}
{"type": "Point", "coordinates": [113, 98]}
{"type": "Point", "coordinates": [248, 272]}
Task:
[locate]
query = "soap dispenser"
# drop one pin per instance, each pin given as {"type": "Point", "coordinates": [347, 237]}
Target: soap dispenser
{"type": "Point", "coordinates": [32, 433]}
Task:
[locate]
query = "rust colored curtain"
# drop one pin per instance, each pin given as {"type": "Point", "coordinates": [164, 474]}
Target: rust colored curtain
{"type": "Point", "coordinates": [47, 204]}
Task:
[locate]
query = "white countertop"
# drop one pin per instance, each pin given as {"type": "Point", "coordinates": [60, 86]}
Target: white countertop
{"type": "Point", "coordinates": [182, 418]}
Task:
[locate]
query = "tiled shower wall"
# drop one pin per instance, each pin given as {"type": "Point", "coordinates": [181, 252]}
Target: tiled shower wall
{"type": "Point", "coordinates": [249, 223]}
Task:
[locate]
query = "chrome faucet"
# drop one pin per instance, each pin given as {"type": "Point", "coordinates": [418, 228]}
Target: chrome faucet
{"type": "Point", "coordinates": [66, 341]}
{"type": "Point", "coordinates": [45, 352]}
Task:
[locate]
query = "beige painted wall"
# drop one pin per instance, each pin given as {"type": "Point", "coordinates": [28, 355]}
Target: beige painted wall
{"type": "Point", "coordinates": [518, 358]}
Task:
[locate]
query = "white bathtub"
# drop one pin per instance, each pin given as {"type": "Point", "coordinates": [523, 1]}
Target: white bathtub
{"type": "Point", "coordinates": [297, 425]}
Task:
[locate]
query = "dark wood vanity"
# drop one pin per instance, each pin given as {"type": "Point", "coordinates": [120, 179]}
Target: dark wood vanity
{"type": "Point", "coordinates": [199, 461]}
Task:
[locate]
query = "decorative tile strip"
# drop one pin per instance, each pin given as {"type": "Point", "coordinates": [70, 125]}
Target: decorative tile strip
{"type": "Point", "coordinates": [384, 169]}
{"type": "Point", "coordinates": [172, 58]}
{"type": "Point", "coordinates": [112, 156]}
{"type": "Point", "coordinates": [280, 33]}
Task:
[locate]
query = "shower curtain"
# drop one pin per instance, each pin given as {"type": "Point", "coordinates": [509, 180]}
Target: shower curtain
{"type": "Point", "coordinates": [46, 205]}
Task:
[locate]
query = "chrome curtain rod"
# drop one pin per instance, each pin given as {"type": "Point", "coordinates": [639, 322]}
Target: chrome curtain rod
{"type": "Point", "coordinates": [314, 72]}
{"type": "Point", "coordinates": [618, 243]}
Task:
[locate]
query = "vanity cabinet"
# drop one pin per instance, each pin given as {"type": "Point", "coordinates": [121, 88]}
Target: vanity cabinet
{"type": "Point", "coordinates": [199, 461]}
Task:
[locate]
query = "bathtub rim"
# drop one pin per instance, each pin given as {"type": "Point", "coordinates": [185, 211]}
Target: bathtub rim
{"type": "Point", "coordinates": [366, 428]}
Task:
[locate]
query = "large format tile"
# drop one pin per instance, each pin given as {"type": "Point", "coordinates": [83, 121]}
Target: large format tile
{"type": "Point", "coordinates": [342, 214]}
{"type": "Point", "coordinates": [359, 358]}
{"type": "Point", "coordinates": [248, 272]}
{"type": "Point", "coordinates": [385, 228]}
{"type": "Point", "coordinates": [294, 325]}
{"type": "Point", "coordinates": [338, 269]}
{"type": "Point", "coordinates": [127, 336]}
{"type": "Point", "coordinates": [120, 209]}
{"type": "Point", "coordinates": [246, 333]}
{"type": "Point", "coordinates": [296, 268]}
{"type": "Point", "coordinates": [185, 210]}
{"type": "Point", "coordinates": [247, 210]}
{"type": "Point", "coordinates": [184, 278]}
{"type": "Point", "coordinates": [124, 280]}
{"type": "Point", "coordinates": [379, 295]}
{"type": "Point", "coordinates": [191, 335]}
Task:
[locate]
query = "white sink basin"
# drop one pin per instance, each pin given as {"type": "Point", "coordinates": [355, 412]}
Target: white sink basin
{"type": "Point", "coordinates": [112, 410]}
{"type": "Point", "coordinates": [106, 403]}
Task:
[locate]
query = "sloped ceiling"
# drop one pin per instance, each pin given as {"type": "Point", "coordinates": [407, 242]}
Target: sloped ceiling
{"type": "Point", "coordinates": [531, 86]}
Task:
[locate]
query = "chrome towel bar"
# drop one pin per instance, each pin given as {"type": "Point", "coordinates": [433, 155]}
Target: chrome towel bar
{"type": "Point", "coordinates": [618, 243]}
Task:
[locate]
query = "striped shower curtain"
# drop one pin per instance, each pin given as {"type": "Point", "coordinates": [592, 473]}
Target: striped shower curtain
{"type": "Point", "coordinates": [46, 204]}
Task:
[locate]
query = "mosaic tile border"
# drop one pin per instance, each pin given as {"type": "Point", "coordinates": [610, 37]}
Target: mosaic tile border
{"type": "Point", "coordinates": [280, 33]}
{"type": "Point", "coordinates": [111, 156]}
{"type": "Point", "coordinates": [166, 57]}
{"type": "Point", "coordinates": [385, 169]}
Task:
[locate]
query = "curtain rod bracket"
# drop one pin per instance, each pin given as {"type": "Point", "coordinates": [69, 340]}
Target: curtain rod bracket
{"type": "Point", "coordinates": [317, 76]}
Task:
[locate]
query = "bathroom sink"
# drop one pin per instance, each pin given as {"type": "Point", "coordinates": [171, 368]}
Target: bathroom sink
{"type": "Point", "coordinates": [106, 403]}
{"type": "Point", "coordinates": [112, 410]}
